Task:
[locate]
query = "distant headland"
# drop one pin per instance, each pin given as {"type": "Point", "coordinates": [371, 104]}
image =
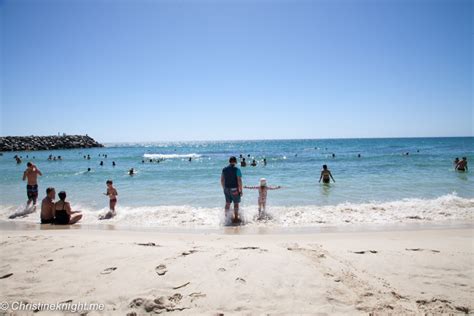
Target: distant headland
{"type": "Point", "coordinates": [22, 143]}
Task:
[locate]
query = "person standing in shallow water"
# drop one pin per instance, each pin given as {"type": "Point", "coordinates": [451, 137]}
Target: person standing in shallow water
{"type": "Point", "coordinates": [326, 175]}
{"type": "Point", "coordinates": [231, 182]}
{"type": "Point", "coordinates": [462, 164]}
{"type": "Point", "coordinates": [31, 173]}
{"type": "Point", "coordinates": [112, 194]}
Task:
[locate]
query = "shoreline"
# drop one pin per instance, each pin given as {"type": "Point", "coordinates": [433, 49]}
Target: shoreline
{"type": "Point", "coordinates": [409, 272]}
{"type": "Point", "coordinates": [253, 229]}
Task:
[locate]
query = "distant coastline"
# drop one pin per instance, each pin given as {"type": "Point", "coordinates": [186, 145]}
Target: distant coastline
{"type": "Point", "coordinates": [34, 143]}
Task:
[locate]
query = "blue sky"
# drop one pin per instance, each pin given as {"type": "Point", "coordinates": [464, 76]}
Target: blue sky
{"type": "Point", "coordinates": [148, 70]}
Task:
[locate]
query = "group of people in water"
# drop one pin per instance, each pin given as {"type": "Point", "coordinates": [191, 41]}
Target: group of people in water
{"type": "Point", "coordinates": [243, 163]}
{"type": "Point", "coordinates": [232, 185]}
{"type": "Point", "coordinates": [61, 213]}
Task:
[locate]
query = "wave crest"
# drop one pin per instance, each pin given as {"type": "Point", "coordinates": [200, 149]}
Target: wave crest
{"type": "Point", "coordinates": [171, 156]}
{"type": "Point", "coordinates": [448, 207]}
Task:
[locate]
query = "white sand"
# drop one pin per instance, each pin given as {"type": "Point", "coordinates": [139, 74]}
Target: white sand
{"type": "Point", "coordinates": [238, 274]}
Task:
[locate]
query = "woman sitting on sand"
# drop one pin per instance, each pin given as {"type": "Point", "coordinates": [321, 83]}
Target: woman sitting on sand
{"type": "Point", "coordinates": [63, 215]}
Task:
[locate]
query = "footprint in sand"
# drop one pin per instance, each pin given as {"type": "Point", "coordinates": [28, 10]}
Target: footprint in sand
{"type": "Point", "coordinates": [187, 253]}
{"type": "Point", "coordinates": [196, 295]}
{"type": "Point", "coordinates": [161, 269]}
{"type": "Point", "coordinates": [419, 249]}
{"type": "Point", "coordinates": [109, 270]}
{"type": "Point", "coordinates": [240, 280]}
{"type": "Point", "coordinates": [463, 309]}
{"type": "Point", "coordinates": [364, 251]}
{"type": "Point", "coordinates": [148, 244]}
{"type": "Point", "coordinates": [252, 248]}
{"type": "Point", "coordinates": [221, 270]}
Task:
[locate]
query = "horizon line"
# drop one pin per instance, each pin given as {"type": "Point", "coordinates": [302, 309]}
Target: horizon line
{"type": "Point", "coordinates": [279, 139]}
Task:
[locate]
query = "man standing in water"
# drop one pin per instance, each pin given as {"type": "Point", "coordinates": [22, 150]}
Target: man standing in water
{"type": "Point", "coordinates": [31, 173]}
{"type": "Point", "coordinates": [231, 181]}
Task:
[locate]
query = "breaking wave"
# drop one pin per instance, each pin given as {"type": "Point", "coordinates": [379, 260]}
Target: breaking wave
{"type": "Point", "coordinates": [170, 156]}
{"type": "Point", "coordinates": [448, 207]}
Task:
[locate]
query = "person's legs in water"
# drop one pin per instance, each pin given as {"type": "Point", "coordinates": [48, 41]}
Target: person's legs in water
{"type": "Point", "coordinates": [236, 212]}
{"type": "Point", "coordinates": [75, 218]}
{"type": "Point", "coordinates": [32, 194]}
{"type": "Point", "coordinates": [261, 209]}
{"type": "Point", "coordinates": [227, 208]}
{"type": "Point", "coordinates": [28, 195]}
{"type": "Point", "coordinates": [112, 204]}
{"type": "Point", "coordinates": [35, 197]}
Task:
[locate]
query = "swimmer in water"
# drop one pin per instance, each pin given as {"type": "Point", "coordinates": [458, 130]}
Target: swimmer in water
{"type": "Point", "coordinates": [326, 175]}
{"type": "Point", "coordinates": [455, 162]}
{"type": "Point", "coordinates": [243, 163]}
{"type": "Point", "coordinates": [462, 165]}
{"type": "Point", "coordinates": [131, 172]}
{"type": "Point", "coordinates": [254, 163]}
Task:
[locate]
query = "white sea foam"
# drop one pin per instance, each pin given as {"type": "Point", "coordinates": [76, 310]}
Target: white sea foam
{"type": "Point", "coordinates": [448, 207]}
{"type": "Point", "coordinates": [170, 156]}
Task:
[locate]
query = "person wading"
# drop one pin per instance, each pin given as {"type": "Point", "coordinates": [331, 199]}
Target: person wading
{"type": "Point", "coordinates": [231, 181]}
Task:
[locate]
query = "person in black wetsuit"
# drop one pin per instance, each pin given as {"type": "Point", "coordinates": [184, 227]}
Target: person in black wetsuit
{"type": "Point", "coordinates": [63, 214]}
{"type": "Point", "coordinates": [231, 181]}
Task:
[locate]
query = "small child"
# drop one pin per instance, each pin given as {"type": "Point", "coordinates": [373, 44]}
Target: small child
{"type": "Point", "coordinates": [262, 195]}
{"type": "Point", "coordinates": [112, 194]}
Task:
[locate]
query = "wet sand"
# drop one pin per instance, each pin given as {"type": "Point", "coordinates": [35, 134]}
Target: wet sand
{"type": "Point", "coordinates": [399, 271]}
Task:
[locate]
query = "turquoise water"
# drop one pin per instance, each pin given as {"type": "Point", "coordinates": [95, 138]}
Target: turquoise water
{"type": "Point", "coordinates": [178, 192]}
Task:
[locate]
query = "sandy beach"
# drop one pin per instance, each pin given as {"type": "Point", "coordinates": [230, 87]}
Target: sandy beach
{"type": "Point", "coordinates": [399, 272]}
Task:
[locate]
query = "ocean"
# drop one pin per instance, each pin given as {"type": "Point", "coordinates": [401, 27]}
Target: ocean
{"type": "Point", "coordinates": [382, 186]}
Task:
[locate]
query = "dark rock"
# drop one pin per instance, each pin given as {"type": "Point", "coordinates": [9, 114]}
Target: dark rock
{"type": "Point", "coordinates": [19, 143]}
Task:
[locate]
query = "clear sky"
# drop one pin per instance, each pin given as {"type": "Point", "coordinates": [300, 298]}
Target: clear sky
{"type": "Point", "coordinates": [143, 70]}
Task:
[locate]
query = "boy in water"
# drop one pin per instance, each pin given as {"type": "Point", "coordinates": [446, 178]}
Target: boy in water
{"type": "Point", "coordinates": [31, 173]}
{"type": "Point", "coordinates": [112, 194]}
{"type": "Point", "coordinates": [326, 175]}
{"type": "Point", "coordinates": [262, 196]}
